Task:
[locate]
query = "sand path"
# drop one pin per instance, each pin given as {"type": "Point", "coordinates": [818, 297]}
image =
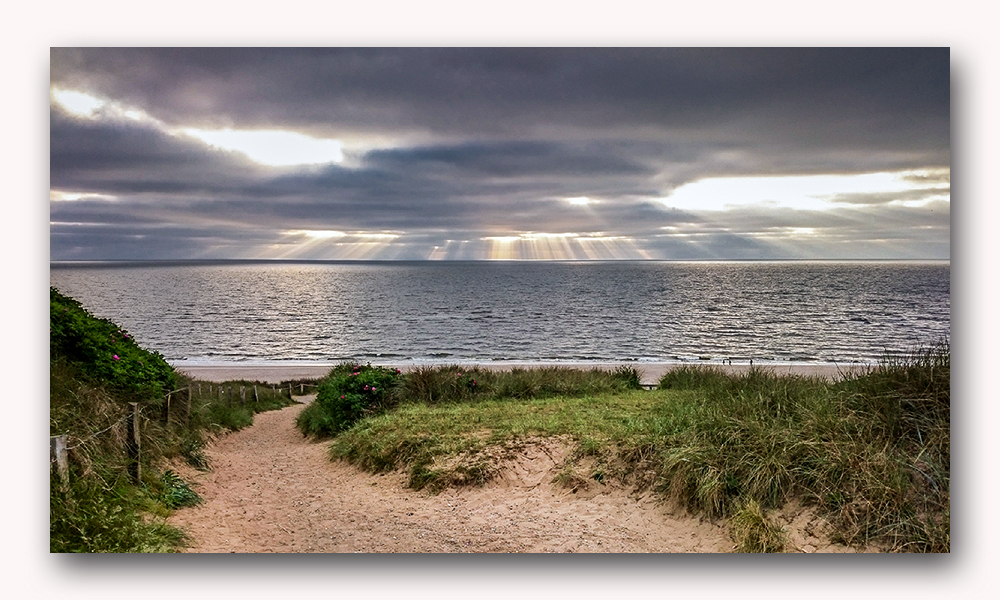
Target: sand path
{"type": "Point", "coordinates": [271, 490]}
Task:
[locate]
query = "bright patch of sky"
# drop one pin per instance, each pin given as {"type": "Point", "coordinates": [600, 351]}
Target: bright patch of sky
{"type": "Point", "coordinates": [801, 192]}
{"type": "Point", "coordinates": [269, 147]}
{"type": "Point", "coordinates": [273, 147]}
{"type": "Point", "coordinates": [326, 234]}
{"type": "Point", "coordinates": [61, 196]}
{"type": "Point", "coordinates": [78, 103]}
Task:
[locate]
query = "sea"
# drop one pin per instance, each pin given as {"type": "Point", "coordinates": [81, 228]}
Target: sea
{"type": "Point", "coordinates": [450, 312]}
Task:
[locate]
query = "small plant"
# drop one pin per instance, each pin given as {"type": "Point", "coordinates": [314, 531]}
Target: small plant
{"type": "Point", "coordinates": [193, 452]}
{"type": "Point", "coordinates": [752, 531]}
{"type": "Point", "coordinates": [628, 377]}
{"type": "Point", "coordinates": [176, 492]}
{"type": "Point", "coordinates": [90, 517]}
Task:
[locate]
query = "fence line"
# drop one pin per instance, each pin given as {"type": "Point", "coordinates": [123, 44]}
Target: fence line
{"type": "Point", "coordinates": [59, 447]}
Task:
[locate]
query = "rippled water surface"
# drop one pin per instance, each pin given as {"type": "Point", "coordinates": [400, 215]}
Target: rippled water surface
{"type": "Point", "coordinates": [461, 311]}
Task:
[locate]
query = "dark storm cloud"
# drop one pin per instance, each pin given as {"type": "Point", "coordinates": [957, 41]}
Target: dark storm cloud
{"type": "Point", "coordinates": [518, 159]}
{"type": "Point", "coordinates": [119, 155]}
{"type": "Point", "coordinates": [854, 96]}
{"type": "Point", "coordinates": [465, 143]}
{"type": "Point", "coordinates": [443, 186]}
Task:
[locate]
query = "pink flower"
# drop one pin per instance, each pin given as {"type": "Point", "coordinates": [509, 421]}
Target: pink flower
{"type": "Point", "coordinates": [341, 397]}
{"type": "Point", "coordinates": [115, 356]}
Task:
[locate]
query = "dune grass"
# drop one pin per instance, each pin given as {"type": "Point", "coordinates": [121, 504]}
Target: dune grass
{"type": "Point", "coordinates": [415, 436]}
{"type": "Point", "coordinates": [870, 451]}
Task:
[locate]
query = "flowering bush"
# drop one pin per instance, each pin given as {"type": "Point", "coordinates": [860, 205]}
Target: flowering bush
{"type": "Point", "coordinates": [349, 393]}
{"type": "Point", "coordinates": [103, 351]}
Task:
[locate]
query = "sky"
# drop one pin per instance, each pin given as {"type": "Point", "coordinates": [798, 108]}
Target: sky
{"type": "Point", "coordinates": [681, 153]}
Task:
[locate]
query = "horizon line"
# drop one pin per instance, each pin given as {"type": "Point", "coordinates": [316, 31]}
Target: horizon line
{"type": "Point", "coordinates": [481, 260]}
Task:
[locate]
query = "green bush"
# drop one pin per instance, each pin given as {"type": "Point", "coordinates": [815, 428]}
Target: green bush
{"type": "Point", "coordinates": [104, 352]}
{"type": "Point", "coordinates": [347, 394]}
{"type": "Point", "coordinates": [753, 532]}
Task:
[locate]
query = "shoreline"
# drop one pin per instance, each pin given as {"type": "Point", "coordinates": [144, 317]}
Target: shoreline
{"type": "Point", "coordinates": [649, 372]}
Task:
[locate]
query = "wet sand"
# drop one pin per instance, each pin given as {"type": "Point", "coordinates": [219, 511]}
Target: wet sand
{"type": "Point", "coordinates": [649, 373]}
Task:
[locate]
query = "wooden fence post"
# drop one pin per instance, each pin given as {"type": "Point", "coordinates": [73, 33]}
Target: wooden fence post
{"type": "Point", "coordinates": [168, 410]}
{"type": "Point", "coordinates": [187, 411]}
{"type": "Point", "coordinates": [302, 388]}
{"type": "Point", "coordinates": [255, 397]}
{"type": "Point", "coordinates": [230, 395]}
{"type": "Point", "coordinates": [289, 391]}
{"type": "Point", "coordinates": [134, 445]}
{"type": "Point", "coordinates": [243, 396]}
{"type": "Point", "coordinates": [57, 454]}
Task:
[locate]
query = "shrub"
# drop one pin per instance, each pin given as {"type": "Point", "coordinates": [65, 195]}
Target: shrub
{"type": "Point", "coordinates": [349, 393]}
{"type": "Point", "coordinates": [103, 351]}
{"type": "Point", "coordinates": [627, 377]}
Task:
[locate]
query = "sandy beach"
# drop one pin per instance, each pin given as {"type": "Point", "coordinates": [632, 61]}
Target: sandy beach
{"type": "Point", "coordinates": [649, 373]}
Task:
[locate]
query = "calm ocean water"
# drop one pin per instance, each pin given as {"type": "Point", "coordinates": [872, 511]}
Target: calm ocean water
{"type": "Point", "coordinates": [803, 312]}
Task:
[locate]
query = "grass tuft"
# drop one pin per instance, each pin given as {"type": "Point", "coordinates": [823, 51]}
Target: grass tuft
{"type": "Point", "coordinates": [754, 532]}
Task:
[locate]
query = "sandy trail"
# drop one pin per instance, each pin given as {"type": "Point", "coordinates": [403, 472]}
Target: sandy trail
{"type": "Point", "coordinates": [271, 490]}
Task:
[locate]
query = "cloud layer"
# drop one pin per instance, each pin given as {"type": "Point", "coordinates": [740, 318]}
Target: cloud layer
{"type": "Point", "coordinates": [473, 153]}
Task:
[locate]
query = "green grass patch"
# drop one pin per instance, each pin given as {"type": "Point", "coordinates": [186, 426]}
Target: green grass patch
{"type": "Point", "coordinates": [416, 436]}
{"type": "Point", "coordinates": [351, 392]}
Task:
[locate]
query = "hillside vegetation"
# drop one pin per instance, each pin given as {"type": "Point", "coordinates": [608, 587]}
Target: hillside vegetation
{"type": "Point", "coordinates": [96, 369]}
